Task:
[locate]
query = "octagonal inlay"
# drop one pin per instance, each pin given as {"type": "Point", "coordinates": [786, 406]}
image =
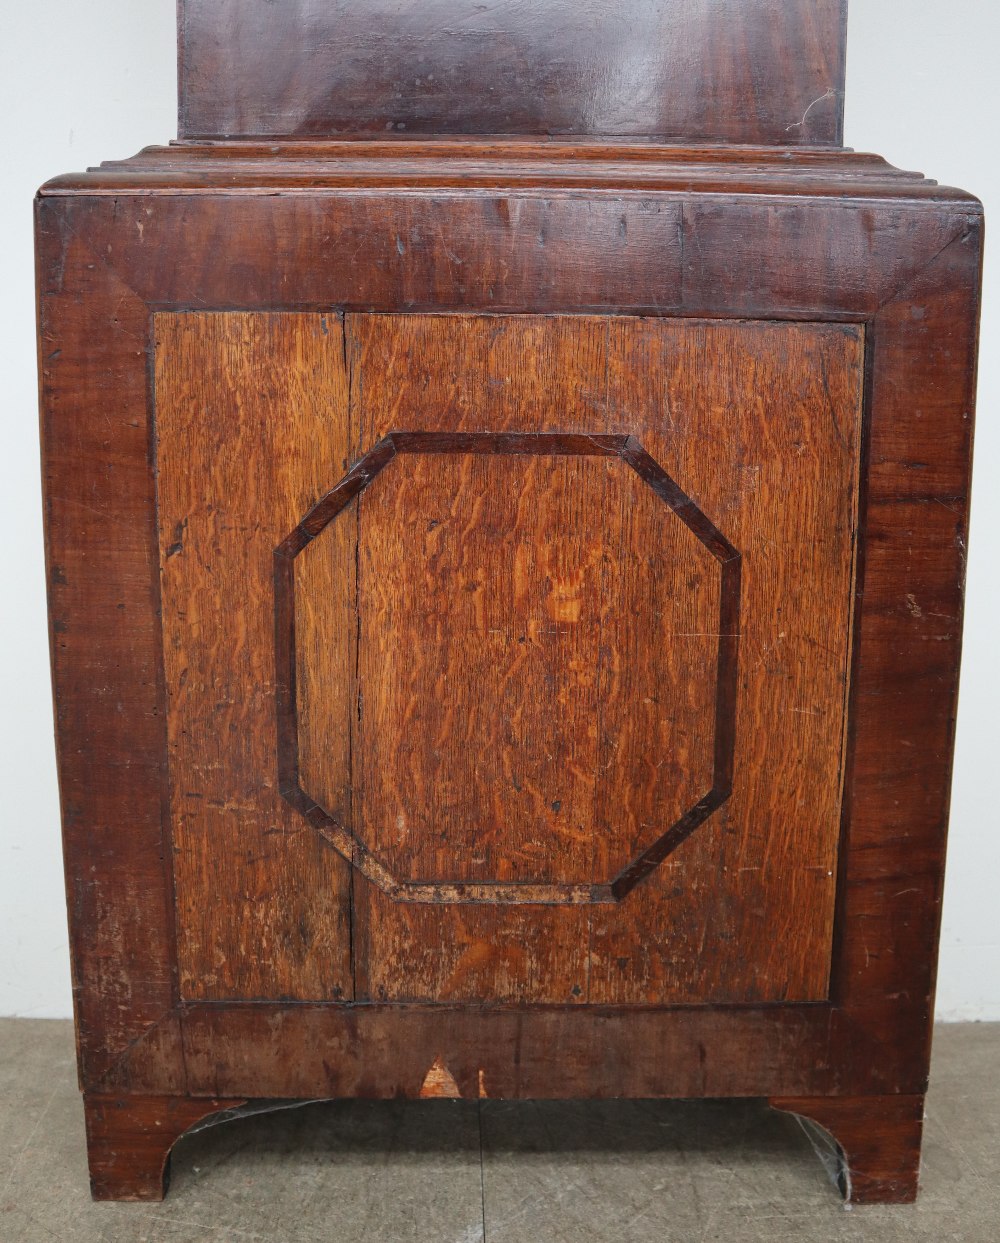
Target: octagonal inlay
{"type": "Point", "coordinates": [506, 615]}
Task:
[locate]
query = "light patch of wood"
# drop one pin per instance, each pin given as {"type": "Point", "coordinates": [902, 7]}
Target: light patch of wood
{"type": "Point", "coordinates": [439, 1083]}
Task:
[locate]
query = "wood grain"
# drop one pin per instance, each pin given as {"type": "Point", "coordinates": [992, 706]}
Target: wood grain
{"type": "Point", "coordinates": [725, 70]}
{"type": "Point", "coordinates": [449, 726]}
{"type": "Point", "coordinates": [497, 370]}
{"type": "Point", "coordinates": [479, 643]}
{"type": "Point", "coordinates": [250, 425]}
{"type": "Point", "coordinates": [787, 401]}
{"type": "Point", "coordinates": [106, 652]}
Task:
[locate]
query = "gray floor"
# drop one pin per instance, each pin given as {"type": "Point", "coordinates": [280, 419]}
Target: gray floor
{"type": "Point", "coordinates": [453, 1172]}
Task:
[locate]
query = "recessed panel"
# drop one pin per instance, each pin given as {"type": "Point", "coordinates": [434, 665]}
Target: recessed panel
{"type": "Point", "coordinates": [507, 655]}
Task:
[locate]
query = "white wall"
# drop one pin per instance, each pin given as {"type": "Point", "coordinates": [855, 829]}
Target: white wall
{"type": "Point", "coordinates": [922, 89]}
{"type": "Point", "coordinates": [86, 80]}
{"type": "Point", "coordinates": [80, 81]}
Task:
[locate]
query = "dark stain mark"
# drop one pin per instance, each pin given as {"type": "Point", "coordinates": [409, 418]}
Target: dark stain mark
{"type": "Point", "coordinates": [178, 541]}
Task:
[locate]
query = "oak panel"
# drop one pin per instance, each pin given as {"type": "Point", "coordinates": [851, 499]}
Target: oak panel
{"type": "Point", "coordinates": [480, 633]}
{"type": "Point", "coordinates": [251, 423]}
{"type": "Point", "coordinates": [495, 370]}
{"type": "Point", "coordinates": [744, 910]}
{"type": "Point", "coordinates": [786, 401]}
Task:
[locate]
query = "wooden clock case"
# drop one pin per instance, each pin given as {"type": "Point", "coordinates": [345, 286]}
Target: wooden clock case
{"type": "Point", "coordinates": [506, 488]}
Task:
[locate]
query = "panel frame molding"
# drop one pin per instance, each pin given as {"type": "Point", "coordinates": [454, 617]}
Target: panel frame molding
{"type": "Point", "coordinates": [540, 444]}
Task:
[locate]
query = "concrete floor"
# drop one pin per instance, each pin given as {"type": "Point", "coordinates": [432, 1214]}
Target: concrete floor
{"type": "Point", "coordinates": [457, 1172]}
